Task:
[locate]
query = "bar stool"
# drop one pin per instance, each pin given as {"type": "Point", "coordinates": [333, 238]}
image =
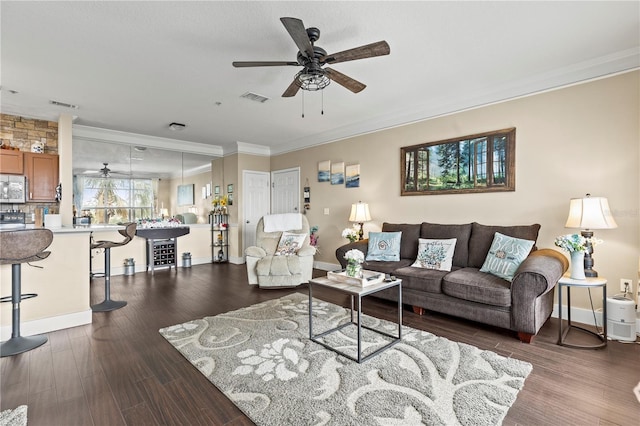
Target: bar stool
{"type": "Point", "coordinates": [111, 305]}
{"type": "Point", "coordinates": [18, 247]}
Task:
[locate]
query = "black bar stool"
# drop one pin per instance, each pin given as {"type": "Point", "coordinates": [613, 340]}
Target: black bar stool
{"type": "Point", "coordinates": [18, 247]}
{"type": "Point", "coordinates": [111, 305]}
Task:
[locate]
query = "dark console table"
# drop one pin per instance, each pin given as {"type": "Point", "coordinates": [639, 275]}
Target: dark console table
{"type": "Point", "coordinates": [162, 246]}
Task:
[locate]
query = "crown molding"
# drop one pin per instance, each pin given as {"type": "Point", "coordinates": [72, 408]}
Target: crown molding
{"type": "Point", "coordinates": [253, 149]}
{"type": "Point", "coordinates": [97, 134]}
{"type": "Point", "coordinates": [579, 73]}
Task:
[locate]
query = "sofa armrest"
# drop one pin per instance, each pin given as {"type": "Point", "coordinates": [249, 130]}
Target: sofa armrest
{"type": "Point", "coordinates": [547, 263]}
{"type": "Point", "coordinates": [362, 245]}
{"type": "Point", "coordinates": [536, 276]}
{"type": "Point", "coordinates": [307, 251]}
{"type": "Point", "coordinates": [255, 251]}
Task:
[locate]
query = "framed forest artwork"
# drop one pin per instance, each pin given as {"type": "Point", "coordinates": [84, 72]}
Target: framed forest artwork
{"type": "Point", "coordinates": [482, 162]}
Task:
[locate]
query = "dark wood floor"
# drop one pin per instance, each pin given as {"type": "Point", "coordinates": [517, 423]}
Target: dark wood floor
{"type": "Point", "coordinates": [119, 370]}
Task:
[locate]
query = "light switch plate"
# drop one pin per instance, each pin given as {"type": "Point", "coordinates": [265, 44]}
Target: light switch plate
{"type": "Point", "coordinates": [326, 211]}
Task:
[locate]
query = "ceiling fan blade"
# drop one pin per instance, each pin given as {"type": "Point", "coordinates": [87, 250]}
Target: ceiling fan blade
{"type": "Point", "coordinates": [292, 90]}
{"type": "Point", "coordinates": [354, 85]}
{"type": "Point", "coordinates": [242, 64]}
{"type": "Point", "coordinates": [298, 33]}
{"type": "Point", "coordinates": [379, 48]}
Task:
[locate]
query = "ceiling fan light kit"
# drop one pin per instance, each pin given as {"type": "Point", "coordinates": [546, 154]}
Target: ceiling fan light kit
{"type": "Point", "coordinates": [312, 58]}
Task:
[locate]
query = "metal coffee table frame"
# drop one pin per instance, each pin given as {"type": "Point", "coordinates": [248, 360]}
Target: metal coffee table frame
{"type": "Point", "coordinates": [357, 293]}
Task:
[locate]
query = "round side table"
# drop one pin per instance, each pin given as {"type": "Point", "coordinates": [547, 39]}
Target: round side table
{"type": "Point", "coordinates": [591, 282]}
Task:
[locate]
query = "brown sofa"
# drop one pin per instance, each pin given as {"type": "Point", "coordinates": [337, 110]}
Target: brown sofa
{"type": "Point", "coordinates": [522, 305]}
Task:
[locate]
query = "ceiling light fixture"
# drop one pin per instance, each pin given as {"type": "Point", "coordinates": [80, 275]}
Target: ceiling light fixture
{"type": "Point", "coordinates": [312, 79]}
{"type": "Point", "coordinates": [177, 126]}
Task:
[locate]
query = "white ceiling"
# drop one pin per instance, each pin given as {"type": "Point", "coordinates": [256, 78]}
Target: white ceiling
{"type": "Point", "coordinates": [138, 66]}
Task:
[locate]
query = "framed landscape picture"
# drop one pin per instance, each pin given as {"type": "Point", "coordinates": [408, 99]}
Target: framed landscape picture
{"type": "Point", "coordinates": [483, 162]}
{"type": "Point", "coordinates": [186, 195]}
{"type": "Point", "coordinates": [324, 172]}
{"type": "Point", "coordinates": [352, 176]}
{"type": "Point", "coordinates": [337, 173]}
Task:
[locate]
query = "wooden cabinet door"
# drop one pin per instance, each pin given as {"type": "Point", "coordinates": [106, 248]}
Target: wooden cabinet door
{"type": "Point", "coordinates": [11, 162]}
{"type": "Point", "coordinates": [42, 176]}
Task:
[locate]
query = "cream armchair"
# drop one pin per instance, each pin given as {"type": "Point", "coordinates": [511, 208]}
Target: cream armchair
{"type": "Point", "coordinates": [269, 270]}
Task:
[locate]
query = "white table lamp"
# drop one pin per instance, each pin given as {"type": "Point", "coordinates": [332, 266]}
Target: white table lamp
{"type": "Point", "coordinates": [590, 213]}
{"type": "Point", "coordinates": [360, 214]}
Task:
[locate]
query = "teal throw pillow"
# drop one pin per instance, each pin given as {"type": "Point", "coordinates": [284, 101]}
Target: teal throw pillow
{"type": "Point", "coordinates": [435, 254]}
{"type": "Point", "coordinates": [384, 246]}
{"type": "Point", "coordinates": [505, 255]}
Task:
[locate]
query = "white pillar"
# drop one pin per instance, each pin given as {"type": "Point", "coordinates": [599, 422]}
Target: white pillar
{"type": "Point", "coordinates": [65, 153]}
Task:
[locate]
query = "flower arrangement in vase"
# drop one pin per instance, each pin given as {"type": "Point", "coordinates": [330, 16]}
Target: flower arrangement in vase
{"type": "Point", "coordinates": [354, 262]}
{"type": "Point", "coordinates": [576, 245]}
{"type": "Point", "coordinates": [220, 204]}
{"type": "Point", "coordinates": [350, 234]}
{"type": "Point", "coordinates": [313, 236]}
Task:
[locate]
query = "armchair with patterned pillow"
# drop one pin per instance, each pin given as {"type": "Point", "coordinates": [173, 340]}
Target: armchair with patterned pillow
{"type": "Point", "coordinates": [282, 256]}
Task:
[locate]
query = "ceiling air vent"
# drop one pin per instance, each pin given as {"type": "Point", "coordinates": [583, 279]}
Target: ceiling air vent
{"type": "Point", "coordinates": [63, 104]}
{"type": "Point", "coordinates": [255, 97]}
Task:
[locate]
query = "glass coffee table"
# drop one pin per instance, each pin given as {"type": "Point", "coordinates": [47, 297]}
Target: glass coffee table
{"type": "Point", "coordinates": [357, 293]}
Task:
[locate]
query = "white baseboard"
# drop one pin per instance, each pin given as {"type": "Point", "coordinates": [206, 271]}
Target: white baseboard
{"type": "Point", "coordinates": [46, 325]}
{"type": "Point", "coordinates": [584, 316]}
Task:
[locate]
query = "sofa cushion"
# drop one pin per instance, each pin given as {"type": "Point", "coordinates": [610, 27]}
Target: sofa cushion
{"type": "Point", "coordinates": [461, 233]}
{"type": "Point", "coordinates": [475, 286]}
{"type": "Point", "coordinates": [386, 267]}
{"type": "Point", "coordinates": [409, 241]}
{"type": "Point", "coordinates": [422, 279]}
{"type": "Point", "coordinates": [384, 246]}
{"type": "Point", "coordinates": [435, 254]}
{"type": "Point", "coordinates": [505, 256]}
{"type": "Point", "coordinates": [482, 237]}
{"type": "Point", "coordinates": [278, 265]}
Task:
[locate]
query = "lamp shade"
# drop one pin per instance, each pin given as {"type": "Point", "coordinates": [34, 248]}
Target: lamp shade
{"type": "Point", "coordinates": [590, 213]}
{"type": "Point", "coordinates": [360, 213]}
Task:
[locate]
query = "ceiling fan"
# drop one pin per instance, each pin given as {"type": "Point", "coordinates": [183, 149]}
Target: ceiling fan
{"type": "Point", "coordinates": [314, 75]}
{"type": "Point", "coordinates": [104, 172]}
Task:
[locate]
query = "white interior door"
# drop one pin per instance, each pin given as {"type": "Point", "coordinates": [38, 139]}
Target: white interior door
{"type": "Point", "coordinates": [285, 191]}
{"type": "Point", "coordinates": [255, 201]}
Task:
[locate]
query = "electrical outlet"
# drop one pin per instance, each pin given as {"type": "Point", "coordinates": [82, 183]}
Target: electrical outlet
{"type": "Point", "coordinates": [626, 284]}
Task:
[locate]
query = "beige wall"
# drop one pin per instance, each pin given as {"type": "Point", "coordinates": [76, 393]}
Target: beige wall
{"type": "Point", "coordinates": [203, 205]}
{"type": "Point", "coordinates": [569, 142]}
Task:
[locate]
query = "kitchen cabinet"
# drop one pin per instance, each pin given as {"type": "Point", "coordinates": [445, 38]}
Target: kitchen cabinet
{"type": "Point", "coordinates": [42, 176]}
{"type": "Point", "coordinates": [11, 162]}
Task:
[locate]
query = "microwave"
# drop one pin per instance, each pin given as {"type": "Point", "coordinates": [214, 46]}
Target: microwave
{"type": "Point", "coordinates": [13, 189]}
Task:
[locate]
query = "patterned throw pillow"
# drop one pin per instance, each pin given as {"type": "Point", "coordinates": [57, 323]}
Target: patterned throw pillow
{"type": "Point", "coordinates": [384, 246]}
{"type": "Point", "coordinates": [435, 254]}
{"type": "Point", "coordinates": [505, 255]}
{"type": "Point", "coordinates": [289, 244]}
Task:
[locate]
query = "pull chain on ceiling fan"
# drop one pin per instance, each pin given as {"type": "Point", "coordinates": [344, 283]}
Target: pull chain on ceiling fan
{"type": "Point", "coordinates": [314, 75]}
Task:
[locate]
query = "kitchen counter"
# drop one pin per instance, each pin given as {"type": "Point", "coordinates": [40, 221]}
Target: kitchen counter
{"type": "Point", "coordinates": [63, 282]}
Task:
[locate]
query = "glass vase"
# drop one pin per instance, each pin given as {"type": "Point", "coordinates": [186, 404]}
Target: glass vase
{"type": "Point", "coordinates": [354, 269]}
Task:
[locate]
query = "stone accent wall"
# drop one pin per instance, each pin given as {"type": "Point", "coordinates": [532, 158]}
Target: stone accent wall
{"type": "Point", "coordinates": [21, 132]}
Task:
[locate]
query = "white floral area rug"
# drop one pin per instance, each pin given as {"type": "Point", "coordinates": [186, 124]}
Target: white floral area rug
{"type": "Point", "coordinates": [261, 358]}
{"type": "Point", "coordinates": [15, 417]}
